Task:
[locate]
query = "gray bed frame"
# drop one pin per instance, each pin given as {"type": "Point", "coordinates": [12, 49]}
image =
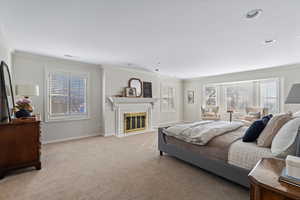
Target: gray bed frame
{"type": "Point", "coordinates": [223, 169]}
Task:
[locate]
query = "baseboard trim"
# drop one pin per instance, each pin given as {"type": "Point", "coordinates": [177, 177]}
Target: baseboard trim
{"type": "Point", "coordinates": [71, 138]}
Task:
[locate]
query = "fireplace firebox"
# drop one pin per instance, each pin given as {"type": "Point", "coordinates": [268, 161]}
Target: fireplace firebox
{"type": "Point", "coordinates": [135, 122]}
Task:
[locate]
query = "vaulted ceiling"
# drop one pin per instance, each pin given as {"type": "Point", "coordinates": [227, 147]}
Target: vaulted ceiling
{"type": "Point", "coordinates": [182, 38]}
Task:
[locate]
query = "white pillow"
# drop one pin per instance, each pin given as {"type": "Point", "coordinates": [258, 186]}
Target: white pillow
{"type": "Point", "coordinates": [296, 114]}
{"type": "Point", "coordinates": [284, 143]}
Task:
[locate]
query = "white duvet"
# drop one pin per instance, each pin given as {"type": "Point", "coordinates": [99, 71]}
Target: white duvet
{"type": "Point", "coordinates": [201, 132]}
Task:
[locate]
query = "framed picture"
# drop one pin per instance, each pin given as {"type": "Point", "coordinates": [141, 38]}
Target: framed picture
{"type": "Point", "coordinates": [147, 89]}
{"type": "Point", "coordinates": [130, 92]}
{"type": "Point", "coordinates": [210, 95]}
{"type": "Point", "coordinates": [137, 84]}
{"type": "Point", "coordinates": [191, 97]}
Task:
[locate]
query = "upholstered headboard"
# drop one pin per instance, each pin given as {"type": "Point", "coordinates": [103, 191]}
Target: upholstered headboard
{"type": "Point", "coordinates": [298, 143]}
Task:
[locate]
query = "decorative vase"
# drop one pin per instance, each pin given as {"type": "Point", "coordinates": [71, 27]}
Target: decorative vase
{"type": "Point", "coordinates": [22, 113]}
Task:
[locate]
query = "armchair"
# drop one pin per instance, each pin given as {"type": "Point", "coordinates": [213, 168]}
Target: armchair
{"type": "Point", "coordinates": [254, 113]}
{"type": "Point", "coordinates": [210, 113]}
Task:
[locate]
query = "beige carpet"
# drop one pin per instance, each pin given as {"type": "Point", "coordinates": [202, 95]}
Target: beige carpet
{"type": "Point", "coordinates": [115, 169]}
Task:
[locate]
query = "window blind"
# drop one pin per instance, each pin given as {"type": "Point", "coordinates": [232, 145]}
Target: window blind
{"type": "Point", "coordinates": [67, 95]}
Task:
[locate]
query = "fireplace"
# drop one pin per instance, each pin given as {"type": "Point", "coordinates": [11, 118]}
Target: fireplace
{"type": "Point", "coordinates": [132, 115]}
{"type": "Point", "coordinates": [135, 122]}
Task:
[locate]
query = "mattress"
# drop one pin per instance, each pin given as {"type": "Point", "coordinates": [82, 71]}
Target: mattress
{"type": "Point", "coordinates": [246, 155]}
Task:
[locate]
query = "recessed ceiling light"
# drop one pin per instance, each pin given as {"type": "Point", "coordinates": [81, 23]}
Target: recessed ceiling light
{"type": "Point", "coordinates": [253, 13]}
{"type": "Point", "coordinates": [269, 41]}
{"type": "Point", "coordinates": [68, 56]}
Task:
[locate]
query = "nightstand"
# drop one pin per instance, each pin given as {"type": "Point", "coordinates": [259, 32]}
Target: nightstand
{"type": "Point", "coordinates": [265, 184]}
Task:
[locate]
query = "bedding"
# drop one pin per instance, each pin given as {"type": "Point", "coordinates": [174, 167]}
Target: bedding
{"type": "Point", "coordinates": [266, 137]}
{"type": "Point", "coordinates": [202, 132]}
{"type": "Point", "coordinates": [246, 155]}
{"type": "Point", "coordinates": [285, 142]}
{"type": "Point", "coordinates": [216, 148]}
{"type": "Point", "coordinates": [228, 158]}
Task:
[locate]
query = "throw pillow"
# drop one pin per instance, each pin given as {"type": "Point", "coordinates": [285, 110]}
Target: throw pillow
{"type": "Point", "coordinates": [267, 118]}
{"type": "Point", "coordinates": [285, 142]}
{"type": "Point", "coordinates": [296, 114]}
{"type": "Point", "coordinates": [272, 128]}
{"type": "Point", "coordinates": [255, 130]}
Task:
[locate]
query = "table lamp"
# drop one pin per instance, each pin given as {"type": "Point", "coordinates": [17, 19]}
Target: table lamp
{"type": "Point", "coordinates": [293, 163]}
{"type": "Point", "coordinates": [24, 105]}
{"type": "Point", "coordinates": [27, 90]}
{"type": "Point", "coordinates": [294, 95]}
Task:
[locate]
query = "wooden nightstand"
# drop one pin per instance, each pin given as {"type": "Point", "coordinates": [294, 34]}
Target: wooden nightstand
{"type": "Point", "coordinates": [265, 184]}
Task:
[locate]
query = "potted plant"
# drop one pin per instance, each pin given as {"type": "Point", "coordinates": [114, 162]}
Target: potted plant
{"type": "Point", "coordinates": [24, 108]}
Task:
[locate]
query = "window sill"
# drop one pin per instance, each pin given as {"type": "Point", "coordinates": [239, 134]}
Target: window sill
{"type": "Point", "coordinates": [66, 119]}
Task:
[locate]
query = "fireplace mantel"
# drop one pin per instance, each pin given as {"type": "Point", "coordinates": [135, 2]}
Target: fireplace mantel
{"type": "Point", "coordinates": [123, 105]}
{"type": "Point", "coordinates": [115, 101]}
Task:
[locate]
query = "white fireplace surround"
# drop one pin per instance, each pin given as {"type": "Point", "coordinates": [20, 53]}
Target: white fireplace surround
{"type": "Point", "coordinates": [122, 105]}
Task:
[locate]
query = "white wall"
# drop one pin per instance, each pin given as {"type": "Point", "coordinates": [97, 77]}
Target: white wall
{"type": "Point", "coordinates": [289, 74]}
{"type": "Point", "coordinates": [117, 78]}
{"type": "Point", "coordinates": [110, 80]}
{"type": "Point", "coordinates": [106, 81]}
{"type": "Point", "coordinates": [30, 69]}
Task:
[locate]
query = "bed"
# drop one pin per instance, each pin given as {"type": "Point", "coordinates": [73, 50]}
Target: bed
{"type": "Point", "coordinates": [224, 155]}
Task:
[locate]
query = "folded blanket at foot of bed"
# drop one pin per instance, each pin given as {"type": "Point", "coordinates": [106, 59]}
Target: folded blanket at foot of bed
{"type": "Point", "coordinates": [202, 132]}
{"type": "Point", "coordinates": [217, 148]}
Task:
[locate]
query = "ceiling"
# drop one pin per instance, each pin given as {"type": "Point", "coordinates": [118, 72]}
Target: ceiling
{"type": "Point", "coordinates": [185, 39]}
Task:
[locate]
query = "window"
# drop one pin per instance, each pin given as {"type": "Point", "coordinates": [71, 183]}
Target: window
{"type": "Point", "coordinates": [237, 96]}
{"type": "Point", "coordinates": [269, 95]}
{"type": "Point", "coordinates": [167, 99]}
{"type": "Point", "coordinates": [66, 96]}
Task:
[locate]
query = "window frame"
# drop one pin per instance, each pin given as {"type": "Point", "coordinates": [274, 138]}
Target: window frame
{"type": "Point", "coordinates": [279, 92]}
{"type": "Point", "coordinates": [166, 100]}
{"type": "Point", "coordinates": [237, 84]}
{"type": "Point", "coordinates": [66, 117]}
{"type": "Point", "coordinates": [256, 100]}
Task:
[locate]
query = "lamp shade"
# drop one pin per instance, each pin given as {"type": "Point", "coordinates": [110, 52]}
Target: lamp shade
{"type": "Point", "coordinates": [294, 95]}
{"type": "Point", "coordinates": [7, 88]}
{"type": "Point", "coordinates": [27, 90]}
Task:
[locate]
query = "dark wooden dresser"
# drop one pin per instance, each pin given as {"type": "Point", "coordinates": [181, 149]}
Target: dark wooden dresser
{"type": "Point", "coordinates": [19, 145]}
{"type": "Point", "coordinates": [265, 185]}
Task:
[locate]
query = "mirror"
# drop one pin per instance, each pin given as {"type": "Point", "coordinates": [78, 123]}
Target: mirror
{"type": "Point", "coordinates": [6, 96]}
{"type": "Point", "coordinates": [137, 84]}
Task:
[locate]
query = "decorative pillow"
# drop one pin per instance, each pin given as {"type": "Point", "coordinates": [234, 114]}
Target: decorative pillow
{"type": "Point", "coordinates": [267, 118]}
{"type": "Point", "coordinates": [255, 129]}
{"type": "Point", "coordinates": [285, 142]}
{"type": "Point", "coordinates": [296, 114]}
{"type": "Point", "coordinates": [272, 128]}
